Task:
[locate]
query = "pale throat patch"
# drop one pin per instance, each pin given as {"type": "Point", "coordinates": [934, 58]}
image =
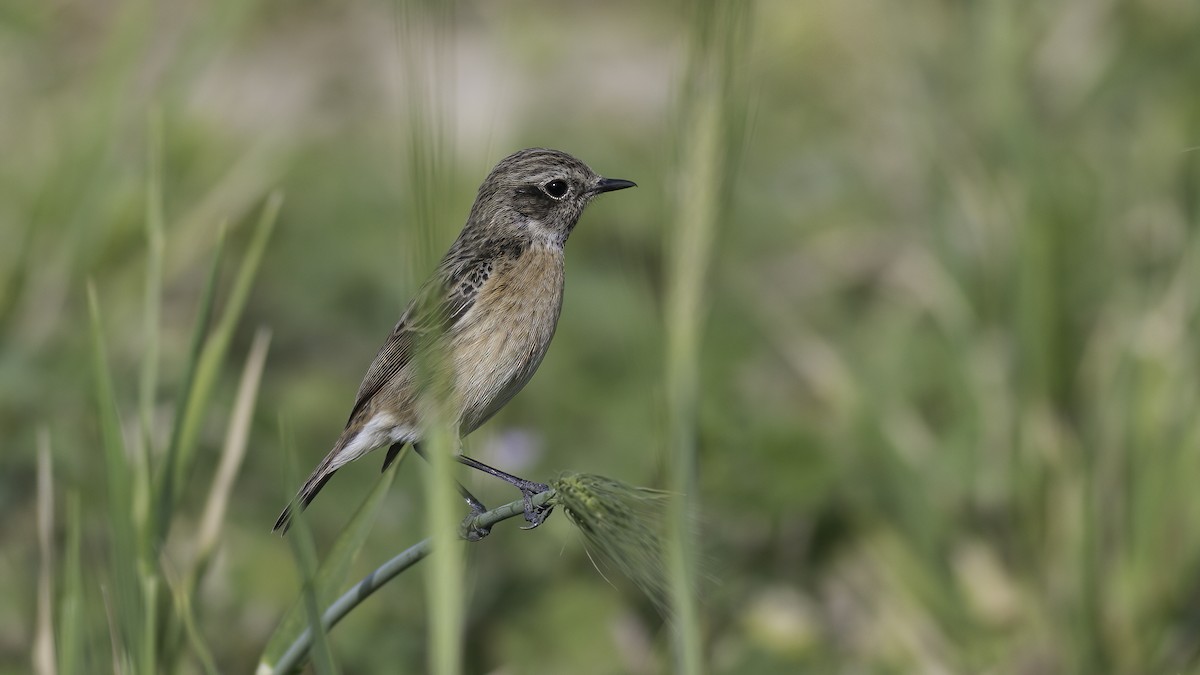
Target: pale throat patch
{"type": "Point", "coordinates": [544, 236]}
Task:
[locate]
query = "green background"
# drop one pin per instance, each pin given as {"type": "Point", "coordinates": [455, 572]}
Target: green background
{"type": "Point", "coordinates": [949, 380]}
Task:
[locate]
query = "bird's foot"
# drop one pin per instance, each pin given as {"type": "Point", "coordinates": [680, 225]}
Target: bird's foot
{"type": "Point", "coordinates": [470, 528]}
{"type": "Point", "coordinates": [535, 515]}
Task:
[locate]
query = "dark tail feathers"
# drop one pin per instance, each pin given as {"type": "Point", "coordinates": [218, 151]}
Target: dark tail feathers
{"type": "Point", "coordinates": [317, 480]}
{"type": "Point", "coordinates": [311, 487]}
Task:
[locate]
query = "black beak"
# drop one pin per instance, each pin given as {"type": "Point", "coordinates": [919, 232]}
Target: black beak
{"type": "Point", "coordinates": [610, 184]}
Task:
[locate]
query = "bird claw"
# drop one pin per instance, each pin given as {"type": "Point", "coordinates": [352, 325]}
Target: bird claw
{"type": "Point", "coordinates": [470, 529]}
{"type": "Point", "coordinates": [534, 515]}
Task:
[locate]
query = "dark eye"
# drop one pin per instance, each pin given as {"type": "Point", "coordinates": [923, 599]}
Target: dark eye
{"type": "Point", "coordinates": [556, 188]}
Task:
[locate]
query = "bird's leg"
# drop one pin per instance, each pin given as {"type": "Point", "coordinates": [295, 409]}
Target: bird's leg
{"type": "Point", "coordinates": [535, 515]}
{"type": "Point", "coordinates": [470, 531]}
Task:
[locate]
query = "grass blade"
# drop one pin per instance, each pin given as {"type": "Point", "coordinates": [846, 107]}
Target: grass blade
{"type": "Point", "coordinates": [444, 587]}
{"type": "Point", "coordinates": [186, 616]}
{"type": "Point", "coordinates": [125, 595]}
{"type": "Point", "coordinates": [217, 345]}
{"type": "Point", "coordinates": [43, 641]}
{"type": "Point", "coordinates": [426, 39]}
{"type": "Point", "coordinates": [153, 292]}
{"type": "Point", "coordinates": [71, 604]}
{"type": "Point", "coordinates": [331, 575]}
{"type": "Point", "coordinates": [148, 383]}
{"type": "Point", "coordinates": [704, 143]}
{"type": "Point", "coordinates": [305, 555]}
{"type": "Point", "coordinates": [381, 575]}
{"type": "Point", "coordinates": [232, 455]}
{"type": "Point", "coordinates": [166, 483]}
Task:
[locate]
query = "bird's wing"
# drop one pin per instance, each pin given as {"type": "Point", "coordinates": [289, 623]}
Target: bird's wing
{"type": "Point", "coordinates": [439, 305]}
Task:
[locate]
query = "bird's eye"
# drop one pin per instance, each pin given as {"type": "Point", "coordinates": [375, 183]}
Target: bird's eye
{"type": "Point", "coordinates": [556, 188]}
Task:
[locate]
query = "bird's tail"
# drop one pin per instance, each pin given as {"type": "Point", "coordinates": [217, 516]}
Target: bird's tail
{"type": "Point", "coordinates": [308, 491]}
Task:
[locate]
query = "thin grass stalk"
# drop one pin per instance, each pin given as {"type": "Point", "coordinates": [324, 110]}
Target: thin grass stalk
{"type": "Point", "coordinates": [703, 156]}
{"type": "Point", "coordinates": [187, 618]}
{"type": "Point", "coordinates": [202, 370]}
{"type": "Point", "coordinates": [693, 226]}
{"type": "Point", "coordinates": [236, 441]}
{"type": "Point", "coordinates": [334, 568]}
{"type": "Point", "coordinates": [217, 345]}
{"type": "Point", "coordinates": [166, 482]}
{"type": "Point", "coordinates": [445, 587]}
{"type": "Point", "coordinates": [295, 654]}
{"type": "Point", "coordinates": [118, 654]}
{"type": "Point", "coordinates": [144, 519]}
{"type": "Point", "coordinates": [425, 34]}
{"type": "Point", "coordinates": [71, 603]}
{"type": "Point", "coordinates": [43, 642]}
{"type": "Point", "coordinates": [126, 608]}
{"type": "Point", "coordinates": [147, 652]}
{"type": "Point", "coordinates": [148, 381]}
{"type": "Point", "coordinates": [304, 553]}
{"type": "Point", "coordinates": [234, 451]}
{"type": "Point", "coordinates": [165, 493]}
{"type": "Point", "coordinates": [153, 292]}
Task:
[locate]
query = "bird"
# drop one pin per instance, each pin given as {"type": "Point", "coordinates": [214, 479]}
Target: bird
{"type": "Point", "coordinates": [481, 323]}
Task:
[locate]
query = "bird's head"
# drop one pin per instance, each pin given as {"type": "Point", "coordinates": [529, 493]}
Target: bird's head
{"type": "Point", "coordinates": [540, 191]}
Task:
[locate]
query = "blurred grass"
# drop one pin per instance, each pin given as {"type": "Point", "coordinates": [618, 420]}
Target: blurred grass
{"type": "Point", "coordinates": [426, 60]}
{"type": "Point", "coordinates": [315, 590]}
{"type": "Point", "coordinates": [710, 128]}
{"type": "Point", "coordinates": [145, 635]}
{"type": "Point", "coordinates": [329, 578]}
{"type": "Point", "coordinates": [946, 393]}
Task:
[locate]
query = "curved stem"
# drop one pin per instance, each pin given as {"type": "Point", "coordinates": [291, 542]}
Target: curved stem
{"type": "Point", "coordinates": [294, 656]}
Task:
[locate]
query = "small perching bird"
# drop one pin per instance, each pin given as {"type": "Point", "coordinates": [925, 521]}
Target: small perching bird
{"type": "Point", "coordinates": [489, 311]}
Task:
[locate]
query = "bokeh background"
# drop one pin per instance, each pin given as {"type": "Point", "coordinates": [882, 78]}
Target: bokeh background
{"type": "Point", "coordinates": [949, 380]}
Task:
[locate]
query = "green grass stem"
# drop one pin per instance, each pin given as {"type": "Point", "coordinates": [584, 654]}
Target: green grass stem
{"type": "Point", "coordinates": [294, 656]}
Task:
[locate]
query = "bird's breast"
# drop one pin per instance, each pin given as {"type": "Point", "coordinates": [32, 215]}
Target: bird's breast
{"type": "Point", "coordinates": [503, 338]}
